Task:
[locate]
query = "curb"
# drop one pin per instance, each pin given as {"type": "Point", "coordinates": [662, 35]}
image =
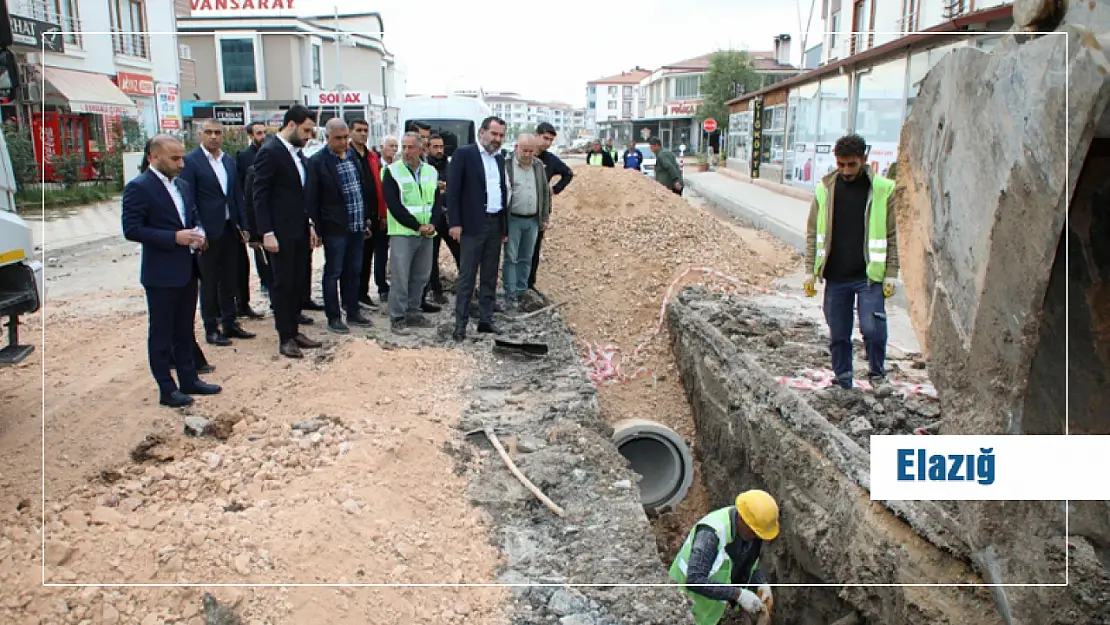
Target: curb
{"type": "Point", "coordinates": [751, 216]}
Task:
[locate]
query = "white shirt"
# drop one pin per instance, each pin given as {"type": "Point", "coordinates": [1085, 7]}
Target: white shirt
{"type": "Point", "coordinates": [493, 181]}
{"type": "Point", "coordinates": [175, 193]}
{"type": "Point", "coordinates": [217, 164]}
{"type": "Point", "coordinates": [293, 152]}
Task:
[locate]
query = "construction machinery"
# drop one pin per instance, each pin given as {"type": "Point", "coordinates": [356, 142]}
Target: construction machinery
{"type": "Point", "coordinates": [21, 280]}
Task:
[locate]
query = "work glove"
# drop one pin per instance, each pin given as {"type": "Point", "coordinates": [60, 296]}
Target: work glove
{"type": "Point", "coordinates": [764, 593]}
{"type": "Point", "coordinates": [750, 602]}
{"type": "Point", "coordinates": [888, 287]}
{"type": "Point", "coordinates": [810, 289]}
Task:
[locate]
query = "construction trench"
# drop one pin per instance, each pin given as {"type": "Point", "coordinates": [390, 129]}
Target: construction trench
{"type": "Point", "coordinates": [985, 252]}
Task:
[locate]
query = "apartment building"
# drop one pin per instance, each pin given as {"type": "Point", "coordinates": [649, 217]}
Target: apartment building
{"type": "Point", "coordinates": [524, 115]}
{"type": "Point", "coordinates": [252, 64]}
{"type": "Point", "coordinates": [86, 65]}
{"type": "Point", "coordinates": [866, 84]}
{"type": "Point", "coordinates": [614, 97]}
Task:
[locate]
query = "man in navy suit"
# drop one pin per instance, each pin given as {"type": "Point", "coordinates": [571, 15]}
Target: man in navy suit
{"type": "Point", "coordinates": [476, 199]}
{"type": "Point", "coordinates": [159, 212]}
{"type": "Point", "coordinates": [211, 174]}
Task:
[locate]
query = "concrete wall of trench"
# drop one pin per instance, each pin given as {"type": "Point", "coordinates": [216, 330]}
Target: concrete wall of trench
{"type": "Point", "coordinates": [755, 433]}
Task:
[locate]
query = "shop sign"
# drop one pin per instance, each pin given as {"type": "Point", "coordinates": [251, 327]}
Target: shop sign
{"type": "Point", "coordinates": [135, 84]}
{"type": "Point", "coordinates": [36, 34]}
{"type": "Point", "coordinates": [230, 115]}
{"type": "Point", "coordinates": [110, 110]}
{"type": "Point", "coordinates": [681, 108]}
{"type": "Point", "coordinates": [319, 97]}
{"type": "Point", "coordinates": [246, 6]}
{"type": "Point", "coordinates": [757, 138]}
{"type": "Point", "coordinates": [169, 116]}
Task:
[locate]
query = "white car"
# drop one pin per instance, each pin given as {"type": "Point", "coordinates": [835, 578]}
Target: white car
{"type": "Point", "coordinates": [648, 164]}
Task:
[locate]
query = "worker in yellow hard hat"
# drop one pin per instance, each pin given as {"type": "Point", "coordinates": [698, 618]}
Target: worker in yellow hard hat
{"type": "Point", "coordinates": [722, 552]}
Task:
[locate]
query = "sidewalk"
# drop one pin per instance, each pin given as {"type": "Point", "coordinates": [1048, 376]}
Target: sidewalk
{"type": "Point", "coordinates": [74, 226]}
{"type": "Point", "coordinates": [781, 215]}
{"type": "Point", "coordinates": [784, 217]}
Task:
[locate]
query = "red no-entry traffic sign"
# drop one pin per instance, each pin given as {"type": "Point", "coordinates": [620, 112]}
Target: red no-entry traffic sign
{"type": "Point", "coordinates": [709, 125]}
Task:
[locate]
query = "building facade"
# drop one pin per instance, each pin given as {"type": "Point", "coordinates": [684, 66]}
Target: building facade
{"type": "Point", "coordinates": [523, 116]}
{"type": "Point", "coordinates": [869, 92]}
{"type": "Point", "coordinates": [86, 66]}
{"type": "Point", "coordinates": [253, 65]}
{"type": "Point", "coordinates": [614, 98]}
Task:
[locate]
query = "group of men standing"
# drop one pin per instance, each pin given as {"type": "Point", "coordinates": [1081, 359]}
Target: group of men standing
{"type": "Point", "coordinates": [197, 214]}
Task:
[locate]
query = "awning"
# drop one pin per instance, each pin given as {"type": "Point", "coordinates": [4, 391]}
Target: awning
{"type": "Point", "coordinates": [84, 92]}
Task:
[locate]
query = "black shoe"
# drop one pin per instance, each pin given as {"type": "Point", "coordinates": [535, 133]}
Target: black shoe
{"type": "Point", "coordinates": [206, 368]}
{"type": "Point", "coordinates": [304, 342]}
{"type": "Point", "coordinates": [429, 307]}
{"type": "Point", "coordinates": [439, 298]}
{"type": "Point", "coordinates": [384, 297]}
{"type": "Point", "coordinates": [367, 302]}
{"type": "Point", "coordinates": [249, 313]}
{"type": "Point", "coordinates": [200, 387]}
{"type": "Point", "coordinates": [337, 326]}
{"type": "Point", "coordinates": [459, 334]}
{"type": "Point", "coordinates": [489, 328]}
{"type": "Point", "coordinates": [311, 305]}
{"type": "Point", "coordinates": [236, 331]}
{"type": "Point", "coordinates": [358, 320]}
{"type": "Point", "coordinates": [305, 320]}
{"type": "Point", "coordinates": [417, 321]}
{"type": "Point", "coordinates": [289, 349]}
{"type": "Point", "coordinates": [176, 399]}
{"type": "Point", "coordinates": [216, 338]}
{"type": "Point", "coordinates": [398, 326]}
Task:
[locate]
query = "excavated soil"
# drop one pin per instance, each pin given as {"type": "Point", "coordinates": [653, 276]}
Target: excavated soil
{"type": "Point", "coordinates": [791, 348]}
{"type": "Point", "coordinates": [617, 241]}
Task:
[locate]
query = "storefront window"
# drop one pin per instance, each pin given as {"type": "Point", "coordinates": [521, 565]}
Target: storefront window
{"type": "Point", "coordinates": [833, 107]}
{"type": "Point", "coordinates": [740, 137]}
{"type": "Point", "coordinates": [774, 134]}
{"type": "Point", "coordinates": [804, 134]}
{"type": "Point", "coordinates": [879, 102]}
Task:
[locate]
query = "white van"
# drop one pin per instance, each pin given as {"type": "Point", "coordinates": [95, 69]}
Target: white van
{"type": "Point", "coordinates": [455, 118]}
{"type": "Point", "coordinates": [21, 280]}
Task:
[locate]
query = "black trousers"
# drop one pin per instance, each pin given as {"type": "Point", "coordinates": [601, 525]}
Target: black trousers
{"type": "Point", "coordinates": [288, 289]}
{"type": "Point", "coordinates": [306, 277]}
{"type": "Point", "coordinates": [172, 311]}
{"type": "Point", "coordinates": [242, 278]}
{"type": "Point", "coordinates": [375, 254]}
{"type": "Point", "coordinates": [218, 271]}
{"type": "Point", "coordinates": [535, 261]}
{"type": "Point", "coordinates": [480, 253]}
{"type": "Point", "coordinates": [434, 283]}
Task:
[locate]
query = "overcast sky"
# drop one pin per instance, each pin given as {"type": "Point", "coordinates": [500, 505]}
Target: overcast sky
{"type": "Point", "coordinates": [548, 49]}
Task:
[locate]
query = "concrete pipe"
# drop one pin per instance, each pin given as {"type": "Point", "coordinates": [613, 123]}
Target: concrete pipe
{"type": "Point", "coordinates": [661, 457]}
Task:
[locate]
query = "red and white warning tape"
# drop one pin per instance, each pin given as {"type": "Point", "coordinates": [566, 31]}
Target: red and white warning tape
{"type": "Point", "coordinates": [816, 379]}
{"type": "Point", "coordinates": [601, 363]}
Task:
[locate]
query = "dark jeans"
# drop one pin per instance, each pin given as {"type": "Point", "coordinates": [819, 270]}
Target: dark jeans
{"type": "Point", "coordinates": [840, 303]}
{"type": "Point", "coordinates": [480, 253]}
{"type": "Point", "coordinates": [434, 283]}
{"type": "Point", "coordinates": [342, 267]}
{"type": "Point", "coordinates": [288, 291]}
{"type": "Point", "coordinates": [218, 269]}
{"type": "Point", "coordinates": [375, 254]}
{"type": "Point", "coordinates": [535, 260]}
{"type": "Point", "coordinates": [172, 314]}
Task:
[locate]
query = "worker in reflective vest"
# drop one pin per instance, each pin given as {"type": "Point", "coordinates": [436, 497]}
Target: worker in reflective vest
{"type": "Point", "coordinates": [599, 157]}
{"type": "Point", "coordinates": [722, 553]}
{"type": "Point", "coordinates": [850, 208]}
{"type": "Point", "coordinates": [409, 186]}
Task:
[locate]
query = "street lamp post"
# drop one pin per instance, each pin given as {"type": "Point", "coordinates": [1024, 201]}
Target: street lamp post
{"type": "Point", "coordinates": [338, 64]}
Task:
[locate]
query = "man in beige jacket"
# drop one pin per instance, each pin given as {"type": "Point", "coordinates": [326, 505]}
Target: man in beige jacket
{"type": "Point", "coordinates": [852, 244]}
{"type": "Point", "coordinates": [529, 210]}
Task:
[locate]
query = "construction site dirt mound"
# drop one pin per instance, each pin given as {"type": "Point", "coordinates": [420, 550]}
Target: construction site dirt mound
{"type": "Point", "coordinates": [618, 241]}
{"type": "Point", "coordinates": [795, 351]}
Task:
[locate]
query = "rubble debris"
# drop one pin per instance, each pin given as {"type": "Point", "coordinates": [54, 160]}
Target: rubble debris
{"type": "Point", "coordinates": [146, 450]}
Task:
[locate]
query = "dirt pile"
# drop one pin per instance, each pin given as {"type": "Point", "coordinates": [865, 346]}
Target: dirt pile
{"type": "Point", "coordinates": [794, 350]}
{"type": "Point", "coordinates": [617, 241]}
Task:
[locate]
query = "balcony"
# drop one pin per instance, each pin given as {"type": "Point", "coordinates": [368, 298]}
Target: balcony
{"type": "Point", "coordinates": [134, 45]}
{"type": "Point", "coordinates": [38, 9]}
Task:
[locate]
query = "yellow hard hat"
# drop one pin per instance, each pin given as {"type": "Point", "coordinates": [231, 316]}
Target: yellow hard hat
{"type": "Point", "coordinates": [760, 512]}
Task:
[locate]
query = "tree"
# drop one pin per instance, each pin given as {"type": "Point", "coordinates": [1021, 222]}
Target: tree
{"type": "Point", "coordinates": [730, 75]}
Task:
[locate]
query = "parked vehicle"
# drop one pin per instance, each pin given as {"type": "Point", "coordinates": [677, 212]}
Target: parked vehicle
{"type": "Point", "coordinates": [21, 279]}
{"type": "Point", "coordinates": [455, 118]}
{"type": "Point", "coordinates": [648, 164]}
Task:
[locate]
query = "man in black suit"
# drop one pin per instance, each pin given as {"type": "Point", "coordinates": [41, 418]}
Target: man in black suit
{"type": "Point", "coordinates": [476, 199]}
{"type": "Point", "coordinates": [280, 178]}
{"type": "Point", "coordinates": [243, 161]}
{"type": "Point", "coordinates": [159, 212]}
{"type": "Point", "coordinates": [212, 176]}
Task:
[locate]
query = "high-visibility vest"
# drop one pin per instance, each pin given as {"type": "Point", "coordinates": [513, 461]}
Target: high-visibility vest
{"type": "Point", "coordinates": [595, 159]}
{"type": "Point", "coordinates": [417, 197]}
{"type": "Point", "coordinates": [709, 611]}
{"type": "Point", "coordinates": [875, 215]}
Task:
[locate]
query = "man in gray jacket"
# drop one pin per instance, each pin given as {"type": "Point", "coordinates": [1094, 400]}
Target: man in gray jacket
{"type": "Point", "coordinates": [529, 209]}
